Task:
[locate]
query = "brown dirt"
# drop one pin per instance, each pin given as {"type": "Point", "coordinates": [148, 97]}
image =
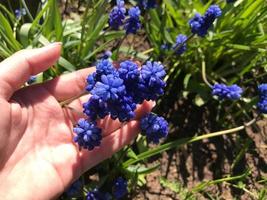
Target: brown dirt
{"type": "Point", "coordinates": [210, 160]}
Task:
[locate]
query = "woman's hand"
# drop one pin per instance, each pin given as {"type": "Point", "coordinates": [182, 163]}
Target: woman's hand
{"type": "Point", "coordinates": [38, 159]}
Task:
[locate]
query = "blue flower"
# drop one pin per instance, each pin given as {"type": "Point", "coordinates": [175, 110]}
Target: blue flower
{"type": "Point", "coordinates": [20, 12]}
{"type": "Point", "coordinates": [262, 104]}
{"type": "Point", "coordinates": [88, 135]}
{"type": "Point", "coordinates": [230, 1]}
{"type": "Point", "coordinates": [180, 41]}
{"type": "Point", "coordinates": [120, 188]}
{"type": "Point", "coordinates": [111, 87]}
{"type": "Point", "coordinates": [132, 24]}
{"type": "Point", "coordinates": [75, 189]}
{"type": "Point", "coordinates": [165, 46]}
{"type": "Point", "coordinates": [200, 24]}
{"type": "Point", "coordinates": [154, 127]}
{"type": "Point", "coordinates": [91, 81]}
{"type": "Point", "coordinates": [31, 80]}
{"type": "Point", "coordinates": [263, 90]}
{"type": "Point", "coordinates": [105, 67]}
{"type": "Point", "coordinates": [147, 4]}
{"type": "Point", "coordinates": [95, 194]}
{"type": "Point", "coordinates": [151, 84]}
{"type": "Point", "coordinates": [128, 71]}
{"type": "Point", "coordinates": [223, 91]}
{"type": "Point", "coordinates": [197, 25]}
{"type": "Point", "coordinates": [123, 109]}
{"type": "Point", "coordinates": [117, 15]}
{"type": "Point", "coordinates": [107, 55]}
{"type": "Point", "coordinates": [211, 14]}
{"type": "Point", "coordinates": [95, 107]}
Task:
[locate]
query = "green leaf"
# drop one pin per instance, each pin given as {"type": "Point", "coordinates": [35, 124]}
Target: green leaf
{"type": "Point", "coordinates": [66, 64]}
{"type": "Point", "coordinates": [142, 169]}
{"type": "Point", "coordinates": [7, 33]}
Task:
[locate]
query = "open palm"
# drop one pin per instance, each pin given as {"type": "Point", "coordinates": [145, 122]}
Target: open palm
{"type": "Point", "coordinates": [38, 159]}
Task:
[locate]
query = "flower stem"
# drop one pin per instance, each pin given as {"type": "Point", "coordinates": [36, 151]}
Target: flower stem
{"type": "Point", "coordinates": [64, 103]}
{"type": "Point", "coordinates": [203, 71]}
{"type": "Point", "coordinates": [183, 141]}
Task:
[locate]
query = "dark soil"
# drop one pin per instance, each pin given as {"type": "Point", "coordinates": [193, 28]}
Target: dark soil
{"type": "Point", "coordinates": [211, 160]}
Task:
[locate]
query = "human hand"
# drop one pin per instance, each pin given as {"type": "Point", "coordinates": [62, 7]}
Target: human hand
{"type": "Point", "coordinates": [38, 159]}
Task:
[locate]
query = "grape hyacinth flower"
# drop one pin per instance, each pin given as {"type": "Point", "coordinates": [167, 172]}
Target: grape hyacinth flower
{"type": "Point", "coordinates": [88, 135]}
{"type": "Point", "coordinates": [91, 81]}
{"type": "Point", "coordinates": [181, 43]}
{"type": "Point", "coordinates": [95, 107]}
{"type": "Point", "coordinates": [263, 90]}
{"type": "Point", "coordinates": [223, 91]}
{"type": "Point", "coordinates": [117, 15]}
{"type": "Point", "coordinates": [107, 55]}
{"type": "Point", "coordinates": [262, 104]}
{"type": "Point", "coordinates": [120, 188]}
{"type": "Point", "coordinates": [95, 194]}
{"type": "Point", "coordinates": [31, 80]}
{"type": "Point", "coordinates": [116, 92]}
{"type": "Point", "coordinates": [165, 46]}
{"type": "Point", "coordinates": [154, 127]}
{"type": "Point", "coordinates": [128, 71]}
{"type": "Point", "coordinates": [132, 24]}
{"type": "Point", "coordinates": [110, 88]}
{"type": "Point", "coordinates": [123, 109]}
{"type": "Point", "coordinates": [147, 4]}
{"type": "Point", "coordinates": [230, 1]}
{"type": "Point", "coordinates": [103, 67]}
{"type": "Point", "coordinates": [200, 24]}
{"type": "Point", "coordinates": [75, 189]}
{"type": "Point", "coordinates": [152, 83]}
{"type": "Point", "coordinates": [20, 12]}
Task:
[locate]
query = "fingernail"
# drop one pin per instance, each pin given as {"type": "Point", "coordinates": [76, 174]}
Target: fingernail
{"type": "Point", "coordinates": [54, 44]}
{"type": "Point", "coordinates": [153, 104]}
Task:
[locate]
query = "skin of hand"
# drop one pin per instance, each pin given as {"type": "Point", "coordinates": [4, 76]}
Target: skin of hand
{"type": "Point", "coordinates": [38, 158]}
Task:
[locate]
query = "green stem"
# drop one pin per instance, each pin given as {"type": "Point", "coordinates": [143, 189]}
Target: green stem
{"type": "Point", "coordinates": [203, 72]}
{"type": "Point", "coordinates": [180, 142]}
{"type": "Point", "coordinates": [118, 46]}
{"type": "Point", "coordinates": [66, 102]}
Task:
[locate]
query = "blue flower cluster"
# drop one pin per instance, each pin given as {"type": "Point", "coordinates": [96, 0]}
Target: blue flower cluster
{"type": "Point", "coordinates": [95, 194]}
{"type": "Point", "coordinates": [120, 188]}
{"type": "Point", "coordinates": [180, 44]}
{"type": "Point", "coordinates": [116, 92]}
{"type": "Point", "coordinates": [31, 80]}
{"type": "Point", "coordinates": [88, 135]}
{"type": "Point", "coordinates": [20, 12]}
{"type": "Point", "coordinates": [107, 54]}
{"type": "Point", "coordinates": [147, 4]}
{"type": "Point", "coordinates": [154, 127]}
{"type": "Point", "coordinates": [74, 189]}
{"type": "Point", "coordinates": [230, 1]}
{"type": "Point", "coordinates": [117, 15]}
{"type": "Point", "coordinates": [223, 91]}
{"type": "Point", "coordinates": [200, 24]}
{"type": "Point", "coordinates": [117, 18]}
{"type": "Point", "coordinates": [132, 24]}
{"type": "Point", "coordinates": [262, 104]}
